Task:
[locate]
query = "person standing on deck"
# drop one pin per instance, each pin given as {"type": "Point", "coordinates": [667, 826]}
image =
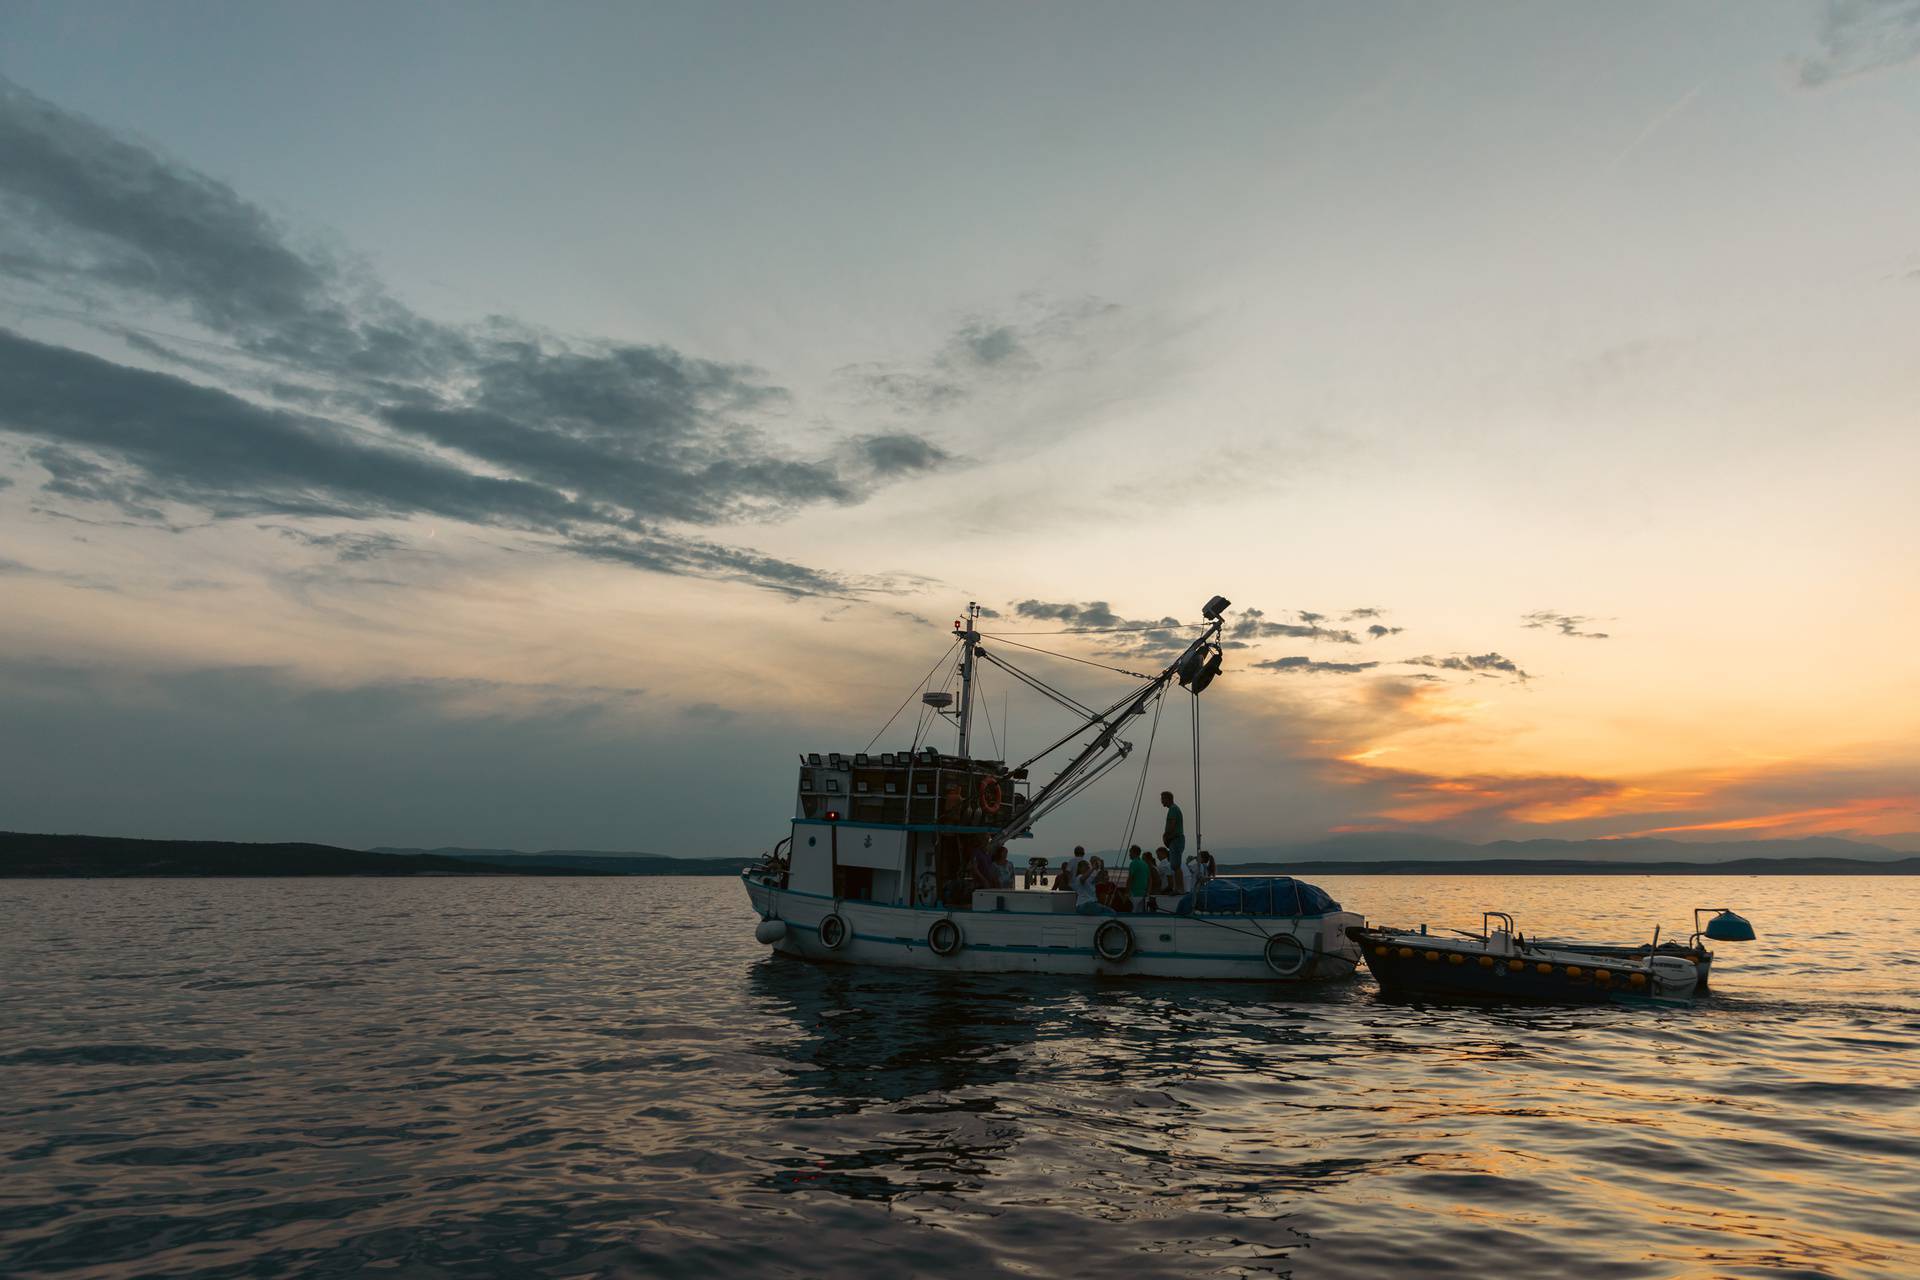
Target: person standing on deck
{"type": "Point", "coordinates": [1139, 878]}
{"type": "Point", "coordinates": [1174, 837]}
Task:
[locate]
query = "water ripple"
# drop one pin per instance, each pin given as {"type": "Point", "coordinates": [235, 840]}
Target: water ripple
{"type": "Point", "coordinates": [453, 1077]}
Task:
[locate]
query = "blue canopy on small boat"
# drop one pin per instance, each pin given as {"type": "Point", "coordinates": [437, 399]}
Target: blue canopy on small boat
{"type": "Point", "coordinates": [1263, 896]}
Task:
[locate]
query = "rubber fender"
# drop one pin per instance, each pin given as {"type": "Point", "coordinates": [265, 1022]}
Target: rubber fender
{"type": "Point", "coordinates": [770, 931]}
{"type": "Point", "coordinates": [1113, 941]}
{"type": "Point", "coordinates": [834, 931]}
{"type": "Point", "coordinates": [943, 937]}
{"type": "Point", "coordinates": [1285, 956]}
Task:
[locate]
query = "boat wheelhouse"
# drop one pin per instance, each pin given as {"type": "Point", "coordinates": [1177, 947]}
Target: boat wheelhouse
{"type": "Point", "coordinates": [876, 867]}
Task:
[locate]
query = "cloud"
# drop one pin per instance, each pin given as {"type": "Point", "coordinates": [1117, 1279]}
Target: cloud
{"type": "Point", "coordinates": [1308, 666]}
{"type": "Point", "coordinates": [1484, 663]}
{"type": "Point", "coordinates": [356, 407]}
{"type": "Point", "coordinates": [1860, 36]}
{"type": "Point", "coordinates": [982, 354]}
{"type": "Point", "coordinates": [70, 475]}
{"type": "Point", "coordinates": [19, 569]}
{"type": "Point", "coordinates": [208, 448]}
{"type": "Point", "coordinates": [1413, 798]}
{"type": "Point", "coordinates": [988, 346]}
{"type": "Point", "coordinates": [1145, 638]}
{"type": "Point", "coordinates": [347, 548]}
{"type": "Point", "coordinates": [1567, 624]}
{"type": "Point", "coordinates": [1097, 614]}
{"type": "Point", "coordinates": [1380, 632]}
{"type": "Point", "coordinates": [708, 713]}
{"type": "Point", "coordinates": [1357, 615]}
{"type": "Point", "coordinates": [1786, 799]}
{"type": "Point", "coordinates": [1252, 624]}
{"type": "Point", "coordinates": [900, 454]}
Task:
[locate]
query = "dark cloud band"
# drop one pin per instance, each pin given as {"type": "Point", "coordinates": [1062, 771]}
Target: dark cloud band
{"type": "Point", "coordinates": [327, 397]}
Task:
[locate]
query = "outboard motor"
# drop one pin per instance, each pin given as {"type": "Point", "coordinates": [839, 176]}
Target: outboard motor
{"type": "Point", "coordinates": [1674, 978]}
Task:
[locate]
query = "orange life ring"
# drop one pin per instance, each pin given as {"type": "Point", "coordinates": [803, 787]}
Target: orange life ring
{"type": "Point", "coordinates": [990, 795]}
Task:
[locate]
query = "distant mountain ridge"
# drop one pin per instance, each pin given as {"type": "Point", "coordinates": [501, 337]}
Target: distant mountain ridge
{"type": "Point", "coordinates": [32, 855]}
{"type": "Point", "coordinates": [24, 854]}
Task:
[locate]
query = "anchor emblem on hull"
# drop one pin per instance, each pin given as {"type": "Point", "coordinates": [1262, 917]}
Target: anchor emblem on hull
{"type": "Point", "coordinates": [867, 843]}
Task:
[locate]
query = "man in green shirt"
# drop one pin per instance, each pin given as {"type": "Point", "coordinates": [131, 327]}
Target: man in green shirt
{"type": "Point", "coordinates": [1139, 878]}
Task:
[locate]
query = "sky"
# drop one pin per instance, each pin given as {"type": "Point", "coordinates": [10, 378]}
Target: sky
{"type": "Point", "coordinates": [512, 426]}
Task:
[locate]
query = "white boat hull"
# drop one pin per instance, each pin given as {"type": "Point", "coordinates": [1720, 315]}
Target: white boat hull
{"type": "Point", "coordinates": [1164, 945]}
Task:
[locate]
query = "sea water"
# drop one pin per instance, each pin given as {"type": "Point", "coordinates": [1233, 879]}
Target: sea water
{"type": "Point", "coordinates": [573, 1077]}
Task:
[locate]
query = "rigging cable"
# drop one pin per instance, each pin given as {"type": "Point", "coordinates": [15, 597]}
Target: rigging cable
{"type": "Point", "coordinates": [1140, 788]}
{"type": "Point", "coordinates": [1069, 657]}
{"type": "Point", "coordinates": [1196, 774]}
{"type": "Point", "coordinates": [1067, 792]}
{"type": "Point", "coordinates": [987, 712]}
{"type": "Point", "coordinates": [1099, 631]}
{"type": "Point", "coordinates": [909, 698]}
{"type": "Point", "coordinates": [1037, 685]}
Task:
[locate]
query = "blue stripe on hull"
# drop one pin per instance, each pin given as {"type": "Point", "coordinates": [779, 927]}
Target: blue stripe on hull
{"type": "Point", "coordinates": [1015, 948]}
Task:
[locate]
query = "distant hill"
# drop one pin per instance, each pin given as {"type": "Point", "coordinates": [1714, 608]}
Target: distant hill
{"type": "Point", "coordinates": [626, 864]}
{"type": "Point", "coordinates": [23, 854]}
{"type": "Point", "coordinates": [1397, 847]}
{"type": "Point", "coordinates": [1896, 866]}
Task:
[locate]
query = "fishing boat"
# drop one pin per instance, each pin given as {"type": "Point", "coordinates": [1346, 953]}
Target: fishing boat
{"type": "Point", "coordinates": [1499, 962]}
{"type": "Point", "coordinates": [875, 865]}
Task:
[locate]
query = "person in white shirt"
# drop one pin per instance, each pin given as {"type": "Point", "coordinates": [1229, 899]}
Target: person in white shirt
{"type": "Point", "coordinates": [1196, 871]}
{"type": "Point", "coordinates": [1162, 871]}
{"type": "Point", "coordinates": [1086, 887]}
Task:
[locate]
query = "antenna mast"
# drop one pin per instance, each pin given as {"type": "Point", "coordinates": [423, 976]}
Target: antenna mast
{"type": "Point", "coordinates": [969, 638]}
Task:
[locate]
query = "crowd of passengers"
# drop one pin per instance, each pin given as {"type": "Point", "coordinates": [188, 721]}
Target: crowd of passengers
{"type": "Point", "coordinates": [1147, 877]}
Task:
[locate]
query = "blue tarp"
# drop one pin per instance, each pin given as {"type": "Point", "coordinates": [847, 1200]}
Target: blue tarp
{"type": "Point", "coordinates": [1263, 896]}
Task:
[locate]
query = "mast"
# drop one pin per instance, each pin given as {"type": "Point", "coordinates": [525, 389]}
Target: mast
{"type": "Point", "coordinates": [969, 638]}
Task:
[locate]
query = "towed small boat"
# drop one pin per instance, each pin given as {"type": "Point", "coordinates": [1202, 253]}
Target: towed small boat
{"type": "Point", "coordinates": [1501, 963]}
